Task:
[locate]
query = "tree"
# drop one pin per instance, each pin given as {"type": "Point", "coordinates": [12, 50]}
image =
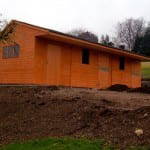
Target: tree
{"type": "Point", "coordinates": [76, 32]}
{"type": "Point", "coordinates": [138, 45]}
{"type": "Point", "coordinates": [85, 35]}
{"type": "Point", "coordinates": [142, 43]}
{"type": "Point", "coordinates": [128, 30]}
{"type": "Point", "coordinates": [105, 40]}
{"type": "Point", "coordinates": [6, 30]}
{"type": "Point", "coordinates": [3, 23]}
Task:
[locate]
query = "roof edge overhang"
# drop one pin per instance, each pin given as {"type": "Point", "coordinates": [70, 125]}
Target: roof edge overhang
{"type": "Point", "coordinates": [86, 44]}
{"type": "Point", "coordinates": [65, 38]}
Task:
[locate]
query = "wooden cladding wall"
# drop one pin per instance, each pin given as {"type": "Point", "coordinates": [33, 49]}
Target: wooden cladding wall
{"type": "Point", "coordinates": [19, 69]}
{"type": "Point", "coordinates": [45, 62]}
{"type": "Point", "coordinates": [104, 70]}
{"type": "Point", "coordinates": [61, 64]}
{"type": "Point", "coordinates": [53, 64]}
{"type": "Point", "coordinates": [84, 75]}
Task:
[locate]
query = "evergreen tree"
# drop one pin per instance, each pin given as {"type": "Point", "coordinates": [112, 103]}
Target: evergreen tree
{"type": "Point", "coordinates": [105, 40]}
{"type": "Point", "coordinates": [142, 44]}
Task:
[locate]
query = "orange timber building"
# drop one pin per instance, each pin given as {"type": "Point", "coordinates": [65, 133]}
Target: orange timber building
{"type": "Point", "coordinates": [45, 57]}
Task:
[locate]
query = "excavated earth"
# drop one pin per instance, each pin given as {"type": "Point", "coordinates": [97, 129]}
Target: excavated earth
{"type": "Point", "coordinates": [30, 112]}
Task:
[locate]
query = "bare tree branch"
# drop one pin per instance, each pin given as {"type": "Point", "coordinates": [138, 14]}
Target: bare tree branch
{"type": "Point", "coordinates": [6, 31]}
{"type": "Point", "coordinates": [128, 31]}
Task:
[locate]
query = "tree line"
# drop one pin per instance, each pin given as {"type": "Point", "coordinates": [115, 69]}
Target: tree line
{"type": "Point", "coordinates": [131, 34]}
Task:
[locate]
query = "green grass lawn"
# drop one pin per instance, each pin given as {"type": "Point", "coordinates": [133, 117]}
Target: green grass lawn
{"type": "Point", "coordinates": [59, 144]}
{"type": "Point", "coordinates": [64, 144]}
{"type": "Point", "coordinates": [146, 70]}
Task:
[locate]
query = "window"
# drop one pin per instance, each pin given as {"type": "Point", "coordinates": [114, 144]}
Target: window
{"type": "Point", "coordinates": [85, 56]}
{"type": "Point", "coordinates": [11, 51]}
{"type": "Point", "coordinates": [122, 63]}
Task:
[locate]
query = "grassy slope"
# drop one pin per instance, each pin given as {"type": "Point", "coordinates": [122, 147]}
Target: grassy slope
{"type": "Point", "coordinates": [59, 144]}
{"type": "Point", "coordinates": [146, 70]}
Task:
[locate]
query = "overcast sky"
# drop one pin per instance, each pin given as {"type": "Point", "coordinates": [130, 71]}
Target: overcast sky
{"type": "Point", "coordinates": [99, 16]}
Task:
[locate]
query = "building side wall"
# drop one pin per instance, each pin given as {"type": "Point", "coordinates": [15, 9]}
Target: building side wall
{"type": "Point", "coordinates": [66, 62]}
{"type": "Point", "coordinates": [48, 62]}
{"type": "Point", "coordinates": [20, 69]}
{"type": "Point", "coordinates": [131, 76]}
{"type": "Point", "coordinates": [40, 68]}
{"type": "Point", "coordinates": [121, 76]}
{"type": "Point", "coordinates": [104, 70]}
{"type": "Point", "coordinates": [54, 63]}
{"type": "Point", "coordinates": [61, 64]}
{"type": "Point", "coordinates": [136, 74]}
{"type": "Point", "coordinates": [84, 75]}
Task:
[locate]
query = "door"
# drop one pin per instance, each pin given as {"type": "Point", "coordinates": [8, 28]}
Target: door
{"type": "Point", "coordinates": [53, 64]}
{"type": "Point", "coordinates": [104, 70]}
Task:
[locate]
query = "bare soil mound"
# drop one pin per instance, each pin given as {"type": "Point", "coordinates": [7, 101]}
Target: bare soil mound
{"type": "Point", "coordinates": [35, 112]}
{"type": "Point", "coordinates": [118, 87]}
{"type": "Point", "coordinates": [143, 89]}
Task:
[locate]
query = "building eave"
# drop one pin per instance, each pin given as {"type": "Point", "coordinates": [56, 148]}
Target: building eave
{"type": "Point", "coordinates": [62, 37]}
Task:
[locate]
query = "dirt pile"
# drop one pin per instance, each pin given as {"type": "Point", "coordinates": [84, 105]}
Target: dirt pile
{"type": "Point", "coordinates": [35, 112]}
{"type": "Point", "coordinates": [118, 87]}
{"type": "Point", "coordinates": [118, 126]}
{"type": "Point", "coordinates": [143, 89]}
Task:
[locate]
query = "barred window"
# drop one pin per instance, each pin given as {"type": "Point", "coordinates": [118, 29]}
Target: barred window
{"type": "Point", "coordinates": [11, 51]}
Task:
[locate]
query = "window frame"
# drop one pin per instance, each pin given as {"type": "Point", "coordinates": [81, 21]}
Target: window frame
{"type": "Point", "coordinates": [11, 51]}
